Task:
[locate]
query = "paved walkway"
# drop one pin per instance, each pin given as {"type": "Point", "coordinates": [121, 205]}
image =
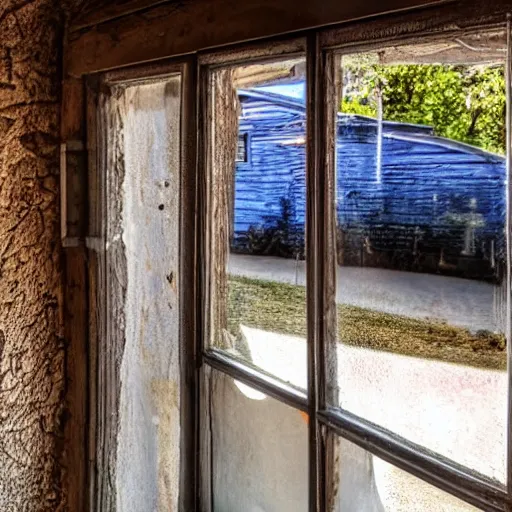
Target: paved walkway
{"type": "Point", "coordinates": [462, 302]}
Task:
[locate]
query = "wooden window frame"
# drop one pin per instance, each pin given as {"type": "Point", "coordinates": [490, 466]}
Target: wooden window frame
{"type": "Point", "coordinates": [435, 469]}
{"type": "Point", "coordinates": [105, 343]}
{"type": "Point", "coordinates": [245, 139]}
{"type": "Point", "coordinates": [197, 359]}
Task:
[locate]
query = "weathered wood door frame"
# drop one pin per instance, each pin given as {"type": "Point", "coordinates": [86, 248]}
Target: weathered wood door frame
{"type": "Point", "coordinates": [106, 290]}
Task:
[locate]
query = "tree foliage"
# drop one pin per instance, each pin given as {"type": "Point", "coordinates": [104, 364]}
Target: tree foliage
{"type": "Point", "coordinates": [464, 103]}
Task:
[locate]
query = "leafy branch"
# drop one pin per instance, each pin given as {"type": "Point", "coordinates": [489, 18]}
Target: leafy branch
{"type": "Point", "coordinates": [464, 103]}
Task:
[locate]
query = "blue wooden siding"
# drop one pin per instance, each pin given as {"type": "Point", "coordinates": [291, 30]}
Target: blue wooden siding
{"type": "Point", "coordinates": [423, 178]}
{"type": "Point", "coordinates": [275, 168]}
{"type": "Point", "coordinates": [426, 183]}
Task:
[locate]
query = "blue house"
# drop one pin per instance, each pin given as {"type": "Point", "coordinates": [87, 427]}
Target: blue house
{"type": "Point", "coordinates": [406, 199]}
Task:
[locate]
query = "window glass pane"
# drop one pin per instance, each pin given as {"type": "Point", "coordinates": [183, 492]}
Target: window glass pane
{"type": "Point", "coordinates": [259, 450]}
{"type": "Point", "coordinates": [366, 483]}
{"type": "Point", "coordinates": [421, 246]}
{"type": "Point", "coordinates": [257, 203]}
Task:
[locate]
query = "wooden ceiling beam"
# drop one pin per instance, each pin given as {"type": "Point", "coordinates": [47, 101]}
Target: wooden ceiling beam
{"type": "Point", "coordinates": [469, 49]}
{"type": "Point", "coordinates": [94, 12]}
{"type": "Point", "coordinates": [259, 74]}
{"type": "Point", "coordinates": [172, 29]}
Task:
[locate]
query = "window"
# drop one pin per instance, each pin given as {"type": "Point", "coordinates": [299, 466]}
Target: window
{"type": "Point", "coordinates": [344, 325]}
{"type": "Point", "coordinates": [342, 310]}
{"type": "Point", "coordinates": [268, 219]}
{"type": "Point", "coordinates": [256, 464]}
{"type": "Point", "coordinates": [242, 148]}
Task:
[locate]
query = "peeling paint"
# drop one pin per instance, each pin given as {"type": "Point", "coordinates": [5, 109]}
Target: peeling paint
{"type": "Point", "coordinates": [148, 447]}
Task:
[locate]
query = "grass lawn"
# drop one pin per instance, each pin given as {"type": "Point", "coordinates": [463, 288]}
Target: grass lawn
{"type": "Point", "coordinates": [281, 307]}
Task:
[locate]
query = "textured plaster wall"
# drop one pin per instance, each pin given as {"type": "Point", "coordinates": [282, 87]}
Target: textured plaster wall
{"type": "Point", "coordinates": [147, 467]}
{"type": "Point", "coordinates": [31, 345]}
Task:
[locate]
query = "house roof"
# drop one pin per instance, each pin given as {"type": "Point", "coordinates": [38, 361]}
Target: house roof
{"type": "Point", "coordinates": [278, 99]}
{"type": "Point", "coordinates": [285, 95]}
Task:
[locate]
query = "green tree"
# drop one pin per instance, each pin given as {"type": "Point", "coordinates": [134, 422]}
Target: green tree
{"type": "Point", "coordinates": [464, 103]}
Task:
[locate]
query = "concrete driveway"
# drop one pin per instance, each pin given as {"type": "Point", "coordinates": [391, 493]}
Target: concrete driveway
{"type": "Point", "coordinates": [454, 410]}
{"type": "Point", "coordinates": [457, 411]}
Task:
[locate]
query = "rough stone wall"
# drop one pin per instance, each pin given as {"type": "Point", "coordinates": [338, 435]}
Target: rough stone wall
{"type": "Point", "coordinates": [31, 345]}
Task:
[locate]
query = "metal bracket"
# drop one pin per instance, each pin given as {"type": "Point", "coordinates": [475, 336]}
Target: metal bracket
{"type": "Point", "coordinates": [72, 193]}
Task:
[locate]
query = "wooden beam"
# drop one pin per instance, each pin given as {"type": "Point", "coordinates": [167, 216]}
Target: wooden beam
{"type": "Point", "coordinates": [75, 321]}
{"type": "Point", "coordinates": [453, 50]}
{"type": "Point", "coordinates": [258, 74]}
{"type": "Point", "coordinates": [448, 56]}
{"type": "Point", "coordinates": [178, 28]}
{"type": "Point", "coordinates": [448, 21]}
{"type": "Point", "coordinates": [101, 11]}
{"type": "Point", "coordinates": [96, 290]}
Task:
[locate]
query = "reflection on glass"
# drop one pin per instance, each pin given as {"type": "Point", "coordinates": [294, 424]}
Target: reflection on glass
{"type": "Point", "coordinates": [365, 483]}
{"type": "Point", "coordinates": [421, 247]}
{"type": "Point", "coordinates": [259, 450]}
{"type": "Point", "coordinates": [258, 199]}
